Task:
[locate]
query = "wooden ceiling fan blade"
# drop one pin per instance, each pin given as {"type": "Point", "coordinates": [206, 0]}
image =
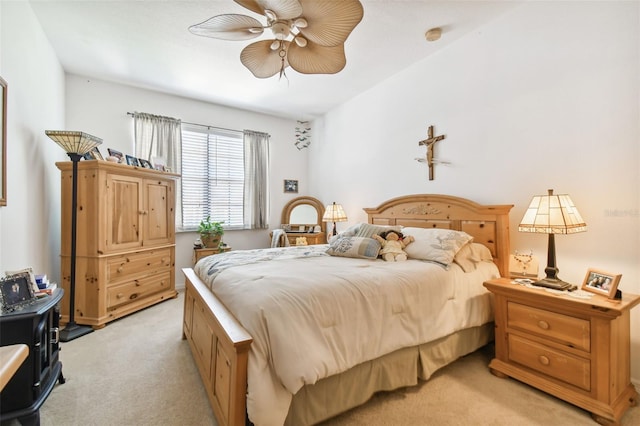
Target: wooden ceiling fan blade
{"type": "Point", "coordinates": [229, 27]}
{"type": "Point", "coordinates": [261, 60]}
{"type": "Point", "coordinates": [316, 59]}
{"type": "Point", "coordinates": [329, 21]}
{"type": "Point", "coordinates": [284, 9]}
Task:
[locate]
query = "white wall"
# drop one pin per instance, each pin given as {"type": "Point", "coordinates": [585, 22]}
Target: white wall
{"type": "Point", "coordinates": [100, 108]}
{"type": "Point", "coordinates": [30, 223]}
{"type": "Point", "coordinates": [545, 97]}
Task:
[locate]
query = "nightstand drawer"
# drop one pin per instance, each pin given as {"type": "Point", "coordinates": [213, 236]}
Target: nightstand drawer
{"type": "Point", "coordinates": [568, 368]}
{"type": "Point", "coordinates": [567, 330]}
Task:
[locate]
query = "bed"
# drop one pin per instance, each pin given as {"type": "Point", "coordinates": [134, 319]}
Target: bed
{"type": "Point", "coordinates": [281, 368]}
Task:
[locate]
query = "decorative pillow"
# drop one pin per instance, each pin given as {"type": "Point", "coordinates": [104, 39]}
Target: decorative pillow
{"type": "Point", "coordinates": [349, 232]}
{"type": "Point", "coordinates": [434, 244]}
{"type": "Point", "coordinates": [368, 230]}
{"type": "Point", "coordinates": [358, 247]}
{"type": "Point", "coordinates": [471, 254]}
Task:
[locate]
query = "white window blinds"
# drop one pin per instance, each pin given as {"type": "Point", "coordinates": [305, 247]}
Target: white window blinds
{"type": "Point", "coordinates": [212, 176]}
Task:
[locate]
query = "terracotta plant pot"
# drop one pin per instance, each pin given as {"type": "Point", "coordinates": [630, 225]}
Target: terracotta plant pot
{"type": "Point", "coordinates": [210, 240]}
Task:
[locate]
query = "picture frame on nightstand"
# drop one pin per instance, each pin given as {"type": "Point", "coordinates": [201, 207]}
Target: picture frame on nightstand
{"type": "Point", "coordinates": [601, 282]}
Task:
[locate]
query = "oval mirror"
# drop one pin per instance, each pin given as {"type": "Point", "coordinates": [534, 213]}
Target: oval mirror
{"type": "Point", "coordinates": [303, 211]}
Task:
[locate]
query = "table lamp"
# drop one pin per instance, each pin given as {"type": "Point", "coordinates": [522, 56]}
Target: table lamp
{"type": "Point", "coordinates": [552, 214]}
{"type": "Point", "coordinates": [75, 144]}
{"type": "Point", "coordinates": [334, 213]}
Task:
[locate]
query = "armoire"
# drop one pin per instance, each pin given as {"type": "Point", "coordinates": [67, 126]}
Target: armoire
{"type": "Point", "coordinates": [125, 244]}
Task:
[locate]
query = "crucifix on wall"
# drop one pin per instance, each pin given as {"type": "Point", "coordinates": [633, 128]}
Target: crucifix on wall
{"type": "Point", "coordinates": [430, 142]}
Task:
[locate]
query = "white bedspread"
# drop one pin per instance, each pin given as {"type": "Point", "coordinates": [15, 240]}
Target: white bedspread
{"type": "Point", "coordinates": [319, 315]}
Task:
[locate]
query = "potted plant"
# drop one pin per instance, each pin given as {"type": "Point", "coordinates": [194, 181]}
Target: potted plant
{"type": "Point", "coordinates": [211, 232]}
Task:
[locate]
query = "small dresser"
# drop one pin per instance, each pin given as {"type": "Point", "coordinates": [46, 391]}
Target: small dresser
{"type": "Point", "coordinates": [575, 349]}
{"type": "Point", "coordinates": [199, 253]}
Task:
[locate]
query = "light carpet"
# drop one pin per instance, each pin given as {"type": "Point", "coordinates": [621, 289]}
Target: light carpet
{"type": "Point", "coordinates": [139, 371]}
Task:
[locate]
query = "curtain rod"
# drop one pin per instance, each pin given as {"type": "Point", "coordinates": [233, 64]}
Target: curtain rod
{"type": "Point", "coordinates": [203, 125]}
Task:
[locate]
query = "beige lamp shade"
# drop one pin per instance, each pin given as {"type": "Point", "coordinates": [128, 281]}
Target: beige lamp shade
{"type": "Point", "coordinates": [552, 214]}
{"type": "Point", "coordinates": [74, 142]}
{"type": "Point", "coordinates": [334, 213]}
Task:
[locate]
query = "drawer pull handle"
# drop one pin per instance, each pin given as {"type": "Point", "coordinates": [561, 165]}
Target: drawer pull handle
{"type": "Point", "coordinates": [543, 360]}
{"type": "Point", "coordinates": [120, 269]}
{"type": "Point", "coordinates": [120, 295]}
{"type": "Point", "coordinates": [543, 325]}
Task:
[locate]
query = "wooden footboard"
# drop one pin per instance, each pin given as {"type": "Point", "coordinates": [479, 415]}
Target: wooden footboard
{"type": "Point", "coordinates": [220, 348]}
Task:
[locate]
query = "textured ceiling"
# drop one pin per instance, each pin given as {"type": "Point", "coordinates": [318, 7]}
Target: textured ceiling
{"type": "Point", "coordinates": [146, 43]}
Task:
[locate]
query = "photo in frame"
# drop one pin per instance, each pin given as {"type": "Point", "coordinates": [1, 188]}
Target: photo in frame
{"type": "Point", "coordinates": [28, 272]}
{"type": "Point", "coordinates": [601, 282]}
{"type": "Point", "coordinates": [15, 291]}
{"type": "Point", "coordinates": [291, 186]}
{"type": "Point", "coordinates": [94, 154]}
{"type": "Point", "coordinates": [117, 154]}
{"type": "Point", "coordinates": [145, 163]}
{"type": "Point", "coordinates": [132, 161]}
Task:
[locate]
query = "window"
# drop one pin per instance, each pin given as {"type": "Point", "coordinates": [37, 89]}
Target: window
{"type": "Point", "coordinates": [212, 181]}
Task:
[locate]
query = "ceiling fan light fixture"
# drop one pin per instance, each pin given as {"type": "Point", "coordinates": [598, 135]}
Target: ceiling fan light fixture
{"type": "Point", "coordinates": [300, 41]}
{"type": "Point", "coordinates": [270, 14]}
{"type": "Point", "coordinates": [308, 35]}
{"type": "Point", "coordinates": [300, 23]}
{"type": "Point", "coordinates": [280, 30]}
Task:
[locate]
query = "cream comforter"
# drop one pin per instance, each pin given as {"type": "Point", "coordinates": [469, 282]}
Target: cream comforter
{"type": "Point", "coordinates": [312, 315]}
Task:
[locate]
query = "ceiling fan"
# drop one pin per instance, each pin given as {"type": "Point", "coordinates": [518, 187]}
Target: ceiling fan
{"type": "Point", "coordinates": [308, 35]}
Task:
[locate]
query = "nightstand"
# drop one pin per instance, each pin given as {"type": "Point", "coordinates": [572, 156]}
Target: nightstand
{"type": "Point", "coordinates": [204, 252]}
{"type": "Point", "coordinates": [575, 349]}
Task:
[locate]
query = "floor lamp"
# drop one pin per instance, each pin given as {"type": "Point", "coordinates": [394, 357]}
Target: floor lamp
{"type": "Point", "coordinates": [75, 144]}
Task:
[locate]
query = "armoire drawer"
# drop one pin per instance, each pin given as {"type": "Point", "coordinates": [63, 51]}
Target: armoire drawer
{"type": "Point", "coordinates": [137, 289]}
{"type": "Point", "coordinates": [564, 329]}
{"type": "Point", "coordinates": [132, 264]}
{"type": "Point", "coordinates": [562, 366]}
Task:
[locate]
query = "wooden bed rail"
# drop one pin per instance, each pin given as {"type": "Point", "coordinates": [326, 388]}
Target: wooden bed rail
{"type": "Point", "coordinates": [220, 348]}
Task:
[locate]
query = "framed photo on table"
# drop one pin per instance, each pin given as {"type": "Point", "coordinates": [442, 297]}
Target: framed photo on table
{"type": "Point", "coordinates": [601, 282]}
{"type": "Point", "coordinates": [15, 291]}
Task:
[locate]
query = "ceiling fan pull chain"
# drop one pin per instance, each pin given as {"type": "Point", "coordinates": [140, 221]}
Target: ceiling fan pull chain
{"type": "Point", "coordinates": [283, 54]}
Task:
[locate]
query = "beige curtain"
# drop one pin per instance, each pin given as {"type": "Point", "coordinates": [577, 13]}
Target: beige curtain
{"type": "Point", "coordinates": [160, 138]}
{"type": "Point", "coordinates": [256, 179]}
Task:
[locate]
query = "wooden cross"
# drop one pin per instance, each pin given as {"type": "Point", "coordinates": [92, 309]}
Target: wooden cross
{"type": "Point", "coordinates": [430, 142]}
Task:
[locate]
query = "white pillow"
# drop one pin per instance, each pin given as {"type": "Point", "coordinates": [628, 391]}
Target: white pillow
{"type": "Point", "coordinates": [434, 244]}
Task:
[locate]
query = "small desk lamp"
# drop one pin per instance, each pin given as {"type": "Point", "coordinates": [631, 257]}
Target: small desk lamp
{"type": "Point", "coordinates": [552, 214]}
{"type": "Point", "coordinates": [75, 144]}
{"type": "Point", "coordinates": [334, 213]}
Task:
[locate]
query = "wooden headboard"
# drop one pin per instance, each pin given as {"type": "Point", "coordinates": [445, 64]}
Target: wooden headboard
{"type": "Point", "coordinates": [488, 224]}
